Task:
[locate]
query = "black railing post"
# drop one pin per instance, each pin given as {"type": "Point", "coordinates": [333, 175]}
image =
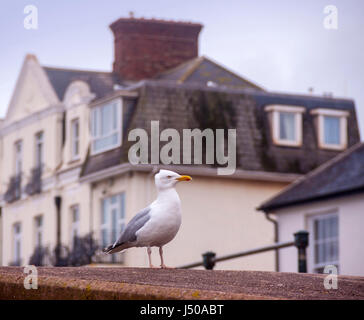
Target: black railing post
{"type": "Point", "coordinates": [301, 242]}
{"type": "Point", "coordinates": [209, 260]}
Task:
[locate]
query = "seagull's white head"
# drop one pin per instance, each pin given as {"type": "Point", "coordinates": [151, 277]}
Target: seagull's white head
{"type": "Point", "coordinates": [165, 179]}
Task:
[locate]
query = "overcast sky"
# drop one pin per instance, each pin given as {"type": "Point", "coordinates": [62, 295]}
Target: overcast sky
{"type": "Point", "coordinates": [280, 45]}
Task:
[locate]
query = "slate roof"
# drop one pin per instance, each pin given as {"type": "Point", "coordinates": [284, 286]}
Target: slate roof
{"type": "Point", "coordinates": [101, 83]}
{"type": "Point", "coordinates": [342, 175]}
{"type": "Point", "coordinates": [203, 70]}
{"type": "Point", "coordinates": [193, 105]}
{"type": "Point", "coordinates": [180, 98]}
{"type": "Point", "coordinates": [198, 71]}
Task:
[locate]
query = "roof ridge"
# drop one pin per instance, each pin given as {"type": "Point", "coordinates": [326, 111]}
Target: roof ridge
{"type": "Point", "coordinates": [171, 70]}
{"type": "Point", "coordinates": [235, 74]}
{"type": "Point", "coordinates": [191, 69]}
{"type": "Point", "coordinates": [315, 172]}
{"type": "Point", "coordinates": [306, 95]}
{"type": "Point", "coordinates": [75, 70]}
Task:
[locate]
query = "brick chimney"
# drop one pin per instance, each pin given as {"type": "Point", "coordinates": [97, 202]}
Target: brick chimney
{"type": "Point", "coordinates": [147, 47]}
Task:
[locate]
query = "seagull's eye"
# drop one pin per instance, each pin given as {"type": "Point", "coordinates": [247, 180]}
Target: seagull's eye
{"type": "Point", "coordinates": [169, 177]}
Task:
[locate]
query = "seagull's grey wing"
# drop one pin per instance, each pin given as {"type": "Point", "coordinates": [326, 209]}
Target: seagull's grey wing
{"type": "Point", "coordinates": [138, 221]}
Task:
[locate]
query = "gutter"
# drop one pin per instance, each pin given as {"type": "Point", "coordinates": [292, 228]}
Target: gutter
{"type": "Point", "coordinates": [327, 197]}
{"type": "Point", "coordinates": [192, 170]}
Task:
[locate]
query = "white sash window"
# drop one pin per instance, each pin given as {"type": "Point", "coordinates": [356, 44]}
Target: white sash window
{"type": "Point", "coordinates": [17, 245]}
{"type": "Point", "coordinates": [106, 126]}
{"type": "Point", "coordinates": [75, 224]}
{"type": "Point", "coordinates": [324, 233]}
{"type": "Point", "coordinates": [38, 224]}
{"type": "Point", "coordinates": [286, 124]}
{"type": "Point", "coordinates": [332, 128]}
{"type": "Point", "coordinates": [112, 218]}
{"type": "Point", "coordinates": [75, 139]}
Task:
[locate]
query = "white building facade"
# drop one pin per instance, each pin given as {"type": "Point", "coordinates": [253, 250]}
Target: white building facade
{"type": "Point", "coordinates": [65, 173]}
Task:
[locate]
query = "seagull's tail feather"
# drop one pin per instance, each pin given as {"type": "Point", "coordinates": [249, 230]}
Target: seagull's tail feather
{"type": "Point", "coordinates": [115, 248]}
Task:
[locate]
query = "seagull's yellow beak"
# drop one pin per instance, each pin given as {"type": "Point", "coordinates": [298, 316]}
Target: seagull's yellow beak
{"type": "Point", "coordinates": [184, 178]}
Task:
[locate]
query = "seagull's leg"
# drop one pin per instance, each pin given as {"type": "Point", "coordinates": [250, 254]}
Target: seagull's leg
{"type": "Point", "coordinates": [163, 266]}
{"type": "Point", "coordinates": [149, 250]}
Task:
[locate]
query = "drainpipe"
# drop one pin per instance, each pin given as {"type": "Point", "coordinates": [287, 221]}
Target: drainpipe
{"type": "Point", "coordinates": [58, 201]}
{"type": "Point", "coordinates": [275, 223]}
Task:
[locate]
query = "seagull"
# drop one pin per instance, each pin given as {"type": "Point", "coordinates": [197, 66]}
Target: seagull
{"type": "Point", "coordinates": [157, 224]}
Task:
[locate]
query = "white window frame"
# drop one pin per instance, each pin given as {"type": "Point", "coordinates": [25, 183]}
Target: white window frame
{"type": "Point", "coordinates": [39, 141]}
{"type": "Point", "coordinates": [75, 225]}
{"type": "Point", "coordinates": [18, 157]}
{"type": "Point", "coordinates": [311, 219]}
{"type": "Point", "coordinates": [108, 226]}
{"type": "Point", "coordinates": [342, 115]}
{"type": "Point", "coordinates": [75, 139]}
{"type": "Point", "coordinates": [17, 238]}
{"type": "Point", "coordinates": [96, 110]}
{"type": "Point", "coordinates": [38, 230]}
{"type": "Point", "coordinates": [275, 111]}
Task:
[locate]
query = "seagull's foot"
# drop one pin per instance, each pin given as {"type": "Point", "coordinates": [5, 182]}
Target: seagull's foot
{"type": "Point", "coordinates": [153, 267]}
{"type": "Point", "coordinates": [163, 266]}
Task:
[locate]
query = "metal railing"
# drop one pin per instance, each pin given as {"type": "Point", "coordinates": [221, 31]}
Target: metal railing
{"type": "Point", "coordinates": [35, 183]}
{"type": "Point", "coordinates": [209, 258]}
{"type": "Point", "coordinates": [13, 191]}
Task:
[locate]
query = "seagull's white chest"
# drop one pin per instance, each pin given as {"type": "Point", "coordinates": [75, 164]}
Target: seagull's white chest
{"type": "Point", "coordinates": [164, 222]}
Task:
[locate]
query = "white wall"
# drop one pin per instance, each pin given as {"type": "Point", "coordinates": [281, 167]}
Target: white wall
{"type": "Point", "coordinates": [350, 210]}
{"type": "Point", "coordinates": [218, 215]}
{"type": "Point", "coordinates": [25, 211]}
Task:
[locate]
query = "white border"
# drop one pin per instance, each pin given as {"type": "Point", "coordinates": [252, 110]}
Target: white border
{"type": "Point", "coordinates": [119, 111]}
{"type": "Point", "coordinates": [342, 115]}
{"type": "Point", "coordinates": [275, 124]}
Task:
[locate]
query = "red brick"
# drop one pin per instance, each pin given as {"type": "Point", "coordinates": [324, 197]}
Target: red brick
{"type": "Point", "coordinates": [146, 47]}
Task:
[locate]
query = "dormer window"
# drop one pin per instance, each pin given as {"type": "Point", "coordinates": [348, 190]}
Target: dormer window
{"type": "Point", "coordinates": [286, 124]}
{"type": "Point", "coordinates": [106, 126]}
{"type": "Point", "coordinates": [331, 128]}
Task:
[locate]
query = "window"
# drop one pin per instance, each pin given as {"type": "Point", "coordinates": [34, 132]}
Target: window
{"type": "Point", "coordinates": [18, 157]}
{"type": "Point", "coordinates": [106, 126]}
{"type": "Point", "coordinates": [17, 244]}
{"type": "Point", "coordinates": [75, 139]}
{"type": "Point", "coordinates": [332, 128]}
{"type": "Point", "coordinates": [112, 218]}
{"type": "Point", "coordinates": [325, 241]}
{"type": "Point", "coordinates": [287, 130]}
{"type": "Point", "coordinates": [38, 223]}
{"type": "Point", "coordinates": [18, 168]}
{"type": "Point", "coordinates": [75, 224]}
{"type": "Point", "coordinates": [286, 122]}
{"type": "Point", "coordinates": [38, 149]}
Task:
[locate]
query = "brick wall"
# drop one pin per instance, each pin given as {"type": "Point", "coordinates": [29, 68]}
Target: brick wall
{"type": "Point", "coordinates": [146, 47]}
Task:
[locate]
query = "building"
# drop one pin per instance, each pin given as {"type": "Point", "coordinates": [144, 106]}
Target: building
{"type": "Point", "coordinates": [65, 168]}
{"type": "Point", "coordinates": [328, 202]}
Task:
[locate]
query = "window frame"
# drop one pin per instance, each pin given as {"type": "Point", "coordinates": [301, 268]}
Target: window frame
{"type": "Point", "coordinates": [97, 109]}
{"type": "Point", "coordinates": [38, 230]}
{"type": "Point", "coordinates": [18, 157]}
{"type": "Point", "coordinates": [275, 111]}
{"type": "Point", "coordinates": [313, 266]}
{"type": "Point", "coordinates": [75, 139]}
{"type": "Point", "coordinates": [17, 237]}
{"type": "Point", "coordinates": [121, 221]}
{"type": "Point", "coordinates": [321, 113]}
{"type": "Point", "coordinates": [75, 225]}
{"type": "Point", "coordinates": [38, 162]}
